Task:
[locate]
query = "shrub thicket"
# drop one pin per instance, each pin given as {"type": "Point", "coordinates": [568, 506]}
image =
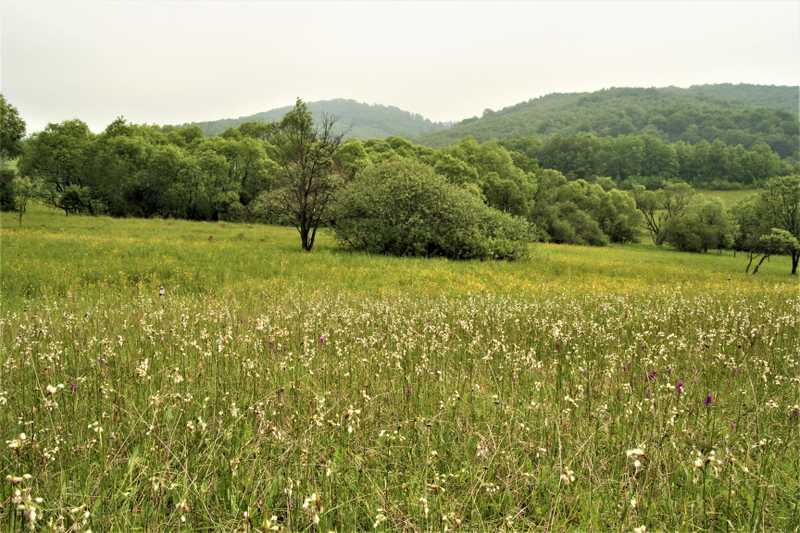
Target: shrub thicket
{"type": "Point", "coordinates": [404, 208]}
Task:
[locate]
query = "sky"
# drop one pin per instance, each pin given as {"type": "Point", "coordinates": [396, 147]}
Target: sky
{"type": "Point", "coordinates": [181, 61]}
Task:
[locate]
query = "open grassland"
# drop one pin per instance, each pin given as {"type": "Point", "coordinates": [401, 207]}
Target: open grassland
{"type": "Point", "coordinates": [729, 198]}
{"type": "Point", "coordinates": [584, 389]}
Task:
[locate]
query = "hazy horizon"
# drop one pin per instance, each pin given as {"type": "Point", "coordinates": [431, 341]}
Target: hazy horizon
{"type": "Point", "coordinates": [177, 62]}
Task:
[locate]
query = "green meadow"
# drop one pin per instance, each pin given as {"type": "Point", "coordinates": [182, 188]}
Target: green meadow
{"type": "Point", "coordinates": [54, 255]}
{"type": "Point", "coordinates": [269, 389]}
{"type": "Point", "coordinates": [729, 198]}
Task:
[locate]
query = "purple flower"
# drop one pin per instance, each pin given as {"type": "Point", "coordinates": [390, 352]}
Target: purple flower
{"type": "Point", "coordinates": [322, 339]}
{"type": "Point", "coordinates": [74, 388]}
{"type": "Point", "coordinates": [709, 400]}
{"type": "Point", "coordinates": [651, 376]}
{"type": "Point", "coordinates": [679, 386]}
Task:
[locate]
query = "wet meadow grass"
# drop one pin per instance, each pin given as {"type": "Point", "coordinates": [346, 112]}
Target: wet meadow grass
{"type": "Point", "coordinates": [269, 389]}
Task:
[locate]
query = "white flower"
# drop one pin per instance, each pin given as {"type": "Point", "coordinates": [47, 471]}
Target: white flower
{"type": "Point", "coordinates": [143, 367]}
{"type": "Point", "coordinates": [568, 476]}
{"type": "Point", "coordinates": [635, 453]}
{"type": "Point", "coordinates": [17, 443]}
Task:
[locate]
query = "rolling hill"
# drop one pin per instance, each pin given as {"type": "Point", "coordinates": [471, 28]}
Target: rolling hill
{"type": "Point", "coordinates": [736, 114]}
{"type": "Point", "coordinates": [356, 119]}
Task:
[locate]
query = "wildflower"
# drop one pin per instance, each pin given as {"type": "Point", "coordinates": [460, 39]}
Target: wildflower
{"type": "Point", "coordinates": [679, 386]}
{"type": "Point", "coordinates": [424, 502]}
{"type": "Point", "coordinates": [17, 443]}
{"type": "Point", "coordinates": [640, 529]}
{"type": "Point", "coordinates": [698, 461]}
{"type": "Point", "coordinates": [143, 367]}
{"type": "Point", "coordinates": [51, 390]}
{"type": "Point", "coordinates": [313, 506]}
{"type": "Point", "coordinates": [28, 506]}
{"type": "Point", "coordinates": [183, 508]}
{"type": "Point", "coordinates": [16, 480]}
{"type": "Point", "coordinates": [568, 476]}
{"type": "Point", "coordinates": [272, 524]}
{"type": "Point", "coordinates": [636, 455]}
{"type": "Point", "coordinates": [323, 339]}
{"type": "Point", "coordinates": [652, 375]}
{"type": "Point", "coordinates": [379, 519]}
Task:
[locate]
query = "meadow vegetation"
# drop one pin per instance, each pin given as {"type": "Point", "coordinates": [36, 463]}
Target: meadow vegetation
{"type": "Point", "coordinates": [272, 389]}
{"type": "Point", "coordinates": [158, 373]}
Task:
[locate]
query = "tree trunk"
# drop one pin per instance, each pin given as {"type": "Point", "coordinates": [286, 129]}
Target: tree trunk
{"type": "Point", "coordinates": [763, 257]}
{"type": "Point", "coordinates": [795, 260]}
{"type": "Point", "coordinates": [749, 263]}
{"type": "Point", "coordinates": [313, 238]}
{"type": "Point", "coordinates": [305, 240]}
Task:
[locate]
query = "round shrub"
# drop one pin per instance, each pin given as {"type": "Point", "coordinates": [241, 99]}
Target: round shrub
{"type": "Point", "coordinates": [404, 208]}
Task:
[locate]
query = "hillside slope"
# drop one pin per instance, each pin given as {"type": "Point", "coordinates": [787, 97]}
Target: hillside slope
{"type": "Point", "coordinates": [356, 119]}
{"type": "Point", "coordinates": [736, 114]}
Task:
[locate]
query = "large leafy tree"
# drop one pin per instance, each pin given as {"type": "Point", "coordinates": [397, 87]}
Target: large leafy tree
{"type": "Point", "coordinates": [660, 207]}
{"type": "Point", "coordinates": [57, 155]}
{"type": "Point", "coordinates": [12, 130]}
{"type": "Point", "coordinates": [779, 203]}
{"type": "Point", "coordinates": [308, 175]}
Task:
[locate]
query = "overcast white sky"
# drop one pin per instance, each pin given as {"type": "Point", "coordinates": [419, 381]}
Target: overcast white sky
{"type": "Point", "coordinates": [180, 61]}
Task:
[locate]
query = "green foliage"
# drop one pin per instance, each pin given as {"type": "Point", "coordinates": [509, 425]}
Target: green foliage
{"type": "Point", "coordinates": [729, 114]}
{"type": "Point", "coordinates": [636, 158]}
{"type": "Point", "coordinates": [76, 199]}
{"type": "Point", "coordinates": [404, 208]}
{"type": "Point", "coordinates": [580, 212]}
{"type": "Point", "coordinates": [769, 221]}
{"type": "Point", "coordinates": [354, 120]}
{"type": "Point", "coordinates": [779, 242]}
{"type": "Point", "coordinates": [703, 225]}
{"type": "Point", "coordinates": [660, 207]}
{"type": "Point", "coordinates": [12, 130]}
{"type": "Point", "coordinates": [23, 190]}
{"type": "Point", "coordinates": [57, 155]}
{"type": "Point", "coordinates": [7, 176]}
{"type": "Point", "coordinates": [140, 170]}
{"type": "Point", "coordinates": [504, 185]}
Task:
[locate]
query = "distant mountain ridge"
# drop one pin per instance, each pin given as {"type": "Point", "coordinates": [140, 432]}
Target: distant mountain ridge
{"type": "Point", "coordinates": [355, 119]}
{"type": "Point", "coordinates": [735, 113]}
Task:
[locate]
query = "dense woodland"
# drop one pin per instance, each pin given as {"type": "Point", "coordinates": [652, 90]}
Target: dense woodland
{"type": "Point", "coordinates": [356, 119]}
{"type": "Point", "coordinates": [733, 114]}
{"type": "Point", "coordinates": [468, 199]}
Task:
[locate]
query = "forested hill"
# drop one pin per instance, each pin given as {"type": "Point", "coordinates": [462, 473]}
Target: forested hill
{"type": "Point", "coordinates": [779, 97]}
{"type": "Point", "coordinates": [736, 114]}
{"type": "Point", "coordinates": [355, 119]}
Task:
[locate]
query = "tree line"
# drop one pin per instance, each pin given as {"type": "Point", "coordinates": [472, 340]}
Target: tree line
{"type": "Point", "coordinates": [649, 160]}
{"type": "Point", "coordinates": [465, 200]}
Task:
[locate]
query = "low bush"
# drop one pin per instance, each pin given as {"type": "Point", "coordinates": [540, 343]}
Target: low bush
{"type": "Point", "coordinates": [404, 208]}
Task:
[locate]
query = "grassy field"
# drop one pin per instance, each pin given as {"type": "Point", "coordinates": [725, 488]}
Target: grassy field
{"type": "Point", "coordinates": [729, 198]}
{"type": "Point", "coordinates": [270, 389]}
